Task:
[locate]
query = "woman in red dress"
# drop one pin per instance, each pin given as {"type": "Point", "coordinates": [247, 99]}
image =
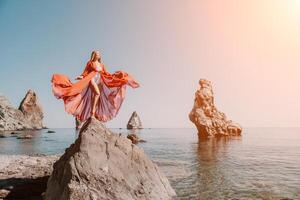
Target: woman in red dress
{"type": "Point", "coordinates": [97, 93]}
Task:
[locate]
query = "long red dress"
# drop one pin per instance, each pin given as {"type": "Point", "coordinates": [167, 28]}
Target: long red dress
{"type": "Point", "coordinates": [77, 96]}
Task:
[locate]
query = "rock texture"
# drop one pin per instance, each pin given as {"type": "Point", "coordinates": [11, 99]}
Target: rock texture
{"type": "Point", "coordinates": [209, 121]}
{"type": "Point", "coordinates": [32, 110]}
{"type": "Point", "coordinates": [104, 165]}
{"type": "Point", "coordinates": [28, 116]}
{"type": "Point", "coordinates": [134, 122]}
{"type": "Point", "coordinates": [24, 177]}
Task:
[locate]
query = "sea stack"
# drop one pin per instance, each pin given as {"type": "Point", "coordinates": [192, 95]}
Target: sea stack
{"type": "Point", "coordinates": [32, 110]}
{"type": "Point", "coordinates": [28, 116]}
{"type": "Point", "coordinates": [104, 165]}
{"type": "Point", "coordinates": [209, 121]}
{"type": "Point", "coordinates": [134, 122]}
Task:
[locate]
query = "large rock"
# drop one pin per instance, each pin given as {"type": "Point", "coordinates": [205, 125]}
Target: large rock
{"type": "Point", "coordinates": [28, 116]}
{"type": "Point", "coordinates": [209, 121]}
{"type": "Point", "coordinates": [104, 165]}
{"type": "Point", "coordinates": [134, 122]}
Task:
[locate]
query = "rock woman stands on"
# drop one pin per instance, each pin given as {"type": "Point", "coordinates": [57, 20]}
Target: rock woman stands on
{"type": "Point", "coordinates": [97, 93]}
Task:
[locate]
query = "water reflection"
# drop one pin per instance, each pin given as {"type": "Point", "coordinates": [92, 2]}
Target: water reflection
{"type": "Point", "coordinates": [28, 145]}
{"type": "Point", "coordinates": [208, 150]}
{"type": "Point", "coordinates": [210, 176]}
{"type": "Point", "coordinates": [133, 131]}
{"type": "Point", "coordinates": [41, 142]}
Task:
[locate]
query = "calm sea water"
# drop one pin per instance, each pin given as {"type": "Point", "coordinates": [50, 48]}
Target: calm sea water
{"type": "Point", "coordinates": [262, 164]}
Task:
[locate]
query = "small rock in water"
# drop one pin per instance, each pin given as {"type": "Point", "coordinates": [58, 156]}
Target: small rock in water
{"type": "Point", "coordinates": [28, 136]}
{"type": "Point", "coordinates": [50, 131]}
{"type": "Point", "coordinates": [14, 133]}
{"type": "Point", "coordinates": [134, 138]}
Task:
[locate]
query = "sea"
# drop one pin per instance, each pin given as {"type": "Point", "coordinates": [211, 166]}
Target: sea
{"type": "Point", "coordinates": [262, 164]}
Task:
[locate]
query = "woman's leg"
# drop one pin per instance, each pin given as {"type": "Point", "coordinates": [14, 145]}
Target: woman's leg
{"type": "Point", "coordinates": [95, 97]}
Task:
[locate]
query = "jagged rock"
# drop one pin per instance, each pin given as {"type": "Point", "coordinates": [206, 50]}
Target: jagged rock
{"type": "Point", "coordinates": [104, 165]}
{"type": "Point", "coordinates": [11, 118]}
{"type": "Point", "coordinates": [209, 121]}
{"type": "Point", "coordinates": [134, 122]}
{"type": "Point", "coordinates": [28, 116]}
{"type": "Point", "coordinates": [134, 138]}
{"type": "Point", "coordinates": [32, 110]}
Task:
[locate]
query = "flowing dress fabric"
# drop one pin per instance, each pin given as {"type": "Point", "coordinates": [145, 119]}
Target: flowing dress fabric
{"type": "Point", "coordinates": [78, 96]}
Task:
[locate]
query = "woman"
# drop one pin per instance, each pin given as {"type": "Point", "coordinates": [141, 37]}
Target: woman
{"type": "Point", "coordinates": [97, 93]}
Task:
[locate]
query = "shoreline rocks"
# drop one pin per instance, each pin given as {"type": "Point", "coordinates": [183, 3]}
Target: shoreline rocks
{"type": "Point", "coordinates": [28, 116]}
{"type": "Point", "coordinates": [26, 176]}
{"type": "Point", "coordinates": [209, 121]}
{"type": "Point", "coordinates": [104, 165]}
{"type": "Point", "coordinates": [23, 176]}
{"type": "Point", "coordinates": [134, 122]}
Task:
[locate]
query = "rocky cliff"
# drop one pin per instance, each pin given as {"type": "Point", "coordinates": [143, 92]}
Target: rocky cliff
{"type": "Point", "coordinates": [209, 121]}
{"type": "Point", "coordinates": [28, 116]}
{"type": "Point", "coordinates": [104, 165]}
{"type": "Point", "coordinates": [134, 122]}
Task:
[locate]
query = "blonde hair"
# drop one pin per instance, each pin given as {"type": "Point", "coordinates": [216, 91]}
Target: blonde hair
{"type": "Point", "coordinates": [93, 56]}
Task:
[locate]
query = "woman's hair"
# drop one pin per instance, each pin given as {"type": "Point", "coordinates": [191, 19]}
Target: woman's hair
{"type": "Point", "coordinates": [93, 56]}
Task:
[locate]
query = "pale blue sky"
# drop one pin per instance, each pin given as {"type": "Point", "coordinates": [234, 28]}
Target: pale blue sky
{"type": "Point", "coordinates": [166, 45]}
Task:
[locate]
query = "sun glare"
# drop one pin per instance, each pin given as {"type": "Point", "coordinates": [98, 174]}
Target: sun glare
{"type": "Point", "coordinates": [293, 8]}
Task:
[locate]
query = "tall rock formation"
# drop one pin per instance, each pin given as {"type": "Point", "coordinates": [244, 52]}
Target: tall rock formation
{"type": "Point", "coordinates": [28, 116]}
{"type": "Point", "coordinates": [32, 110]}
{"type": "Point", "coordinates": [134, 122]}
{"type": "Point", "coordinates": [104, 165]}
{"type": "Point", "coordinates": [209, 121]}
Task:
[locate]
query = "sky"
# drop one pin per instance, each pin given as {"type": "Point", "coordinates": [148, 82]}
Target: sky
{"type": "Point", "coordinates": [249, 50]}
